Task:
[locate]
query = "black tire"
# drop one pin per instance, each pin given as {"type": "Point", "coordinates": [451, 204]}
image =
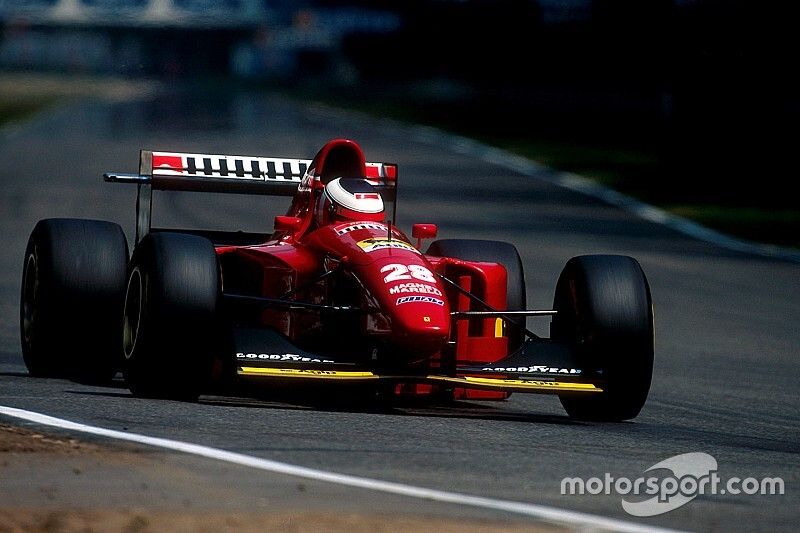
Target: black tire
{"type": "Point", "coordinates": [73, 285]}
{"type": "Point", "coordinates": [493, 252]}
{"type": "Point", "coordinates": [170, 316]}
{"type": "Point", "coordinates": [605, 310]}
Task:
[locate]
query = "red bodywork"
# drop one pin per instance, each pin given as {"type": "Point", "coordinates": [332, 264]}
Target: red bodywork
{"type": "Point", "coordinates": [378, 270]}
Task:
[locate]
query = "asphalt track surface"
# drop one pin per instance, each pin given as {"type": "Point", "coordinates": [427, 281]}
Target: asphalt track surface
{"type": "Point", "coordinates": [725, 380]}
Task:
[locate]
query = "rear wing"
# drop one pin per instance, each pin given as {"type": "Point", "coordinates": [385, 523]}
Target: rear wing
{"type": "Point", "coordinates": [275, 176]}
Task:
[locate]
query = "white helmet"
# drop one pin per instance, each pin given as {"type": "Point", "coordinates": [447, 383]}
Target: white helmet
{"type": "Point", "coordinates": [349, 199]}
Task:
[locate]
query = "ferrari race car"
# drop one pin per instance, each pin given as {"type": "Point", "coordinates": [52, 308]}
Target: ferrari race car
{"type": "Point", "coordinates": [337, 293]}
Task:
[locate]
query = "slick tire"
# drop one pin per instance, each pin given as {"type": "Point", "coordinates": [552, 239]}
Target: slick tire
{"type": "Point", "coordinates": [73, 285]}
{"type": "Point", "coordinates": [604, 310]}
{"type": "Point", "coordinates": [493, 252]}
{"type": "Point", "coordinates": [170, 316]}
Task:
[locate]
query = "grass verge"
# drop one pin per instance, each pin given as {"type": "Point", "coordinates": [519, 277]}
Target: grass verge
{"type": "Point", "coordinates": [15, 109]}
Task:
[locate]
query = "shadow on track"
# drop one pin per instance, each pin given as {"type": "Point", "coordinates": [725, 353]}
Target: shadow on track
{"type": "Point", "coordinates": [462, 410]}
{"type": "Point", "coordinates": [115, 384]}
{"type": "Point", "coordinates": [293, 400]}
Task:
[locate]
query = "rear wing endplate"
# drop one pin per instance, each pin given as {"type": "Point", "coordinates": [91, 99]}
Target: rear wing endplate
{"type": "Point", "coordinates": [274, 176]}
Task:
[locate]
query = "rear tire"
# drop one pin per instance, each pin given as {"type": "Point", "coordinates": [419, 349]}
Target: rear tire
{"type": "Point", "coordinates": [605, 311]}
{"type": "Point", "coordinates": [73, 285]}
{"type": "Point", "coordinates": [503, 253]}
{"type": "Point", "coordinates": [170, 316]}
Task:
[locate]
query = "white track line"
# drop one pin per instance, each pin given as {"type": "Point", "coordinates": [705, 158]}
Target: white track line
{"type": "Point", "coordinates": [543, 512]}
{"type": "Point", "coordinates": [527, 167]}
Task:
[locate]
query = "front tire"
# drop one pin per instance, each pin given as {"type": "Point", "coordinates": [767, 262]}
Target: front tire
{"type": "Point", "coordinates": [170, 316]}
{"type": "Point", "coordinates": [605, 312]}
{"type": "Point", "coordinates": [73, 284]}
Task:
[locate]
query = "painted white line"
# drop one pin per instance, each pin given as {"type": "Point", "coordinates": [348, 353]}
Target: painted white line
{"type": "Point", "coordinates": [542, 512]}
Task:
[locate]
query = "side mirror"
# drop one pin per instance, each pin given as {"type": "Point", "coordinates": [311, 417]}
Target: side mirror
{"type": "Point", "coordinates": [290, 224]}
{"type": "Point", "coordinates": [423, 231]}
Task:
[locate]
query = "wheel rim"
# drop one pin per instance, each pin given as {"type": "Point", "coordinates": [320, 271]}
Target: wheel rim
{"type": "Point", "coordinates": [133, 312]}
{"type": "Point", "coordinates": [30, 292]}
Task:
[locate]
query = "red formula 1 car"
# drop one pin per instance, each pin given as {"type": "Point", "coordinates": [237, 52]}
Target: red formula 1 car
{"type": "Point", "coordinates": [337, 293]}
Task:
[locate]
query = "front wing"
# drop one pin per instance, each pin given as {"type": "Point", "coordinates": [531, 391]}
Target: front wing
{"type": "Point", "coordinates": [540, 366]}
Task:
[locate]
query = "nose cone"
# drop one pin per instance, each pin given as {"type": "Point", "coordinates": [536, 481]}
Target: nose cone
{"type": "Point", "coordinates": [420, 316]}
{"type": "Point", "coordinates": [399, 279]}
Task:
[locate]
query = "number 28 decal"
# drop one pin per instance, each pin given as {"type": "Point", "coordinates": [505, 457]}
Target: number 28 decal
{"type": "Point", "coordinates": [398, 272]}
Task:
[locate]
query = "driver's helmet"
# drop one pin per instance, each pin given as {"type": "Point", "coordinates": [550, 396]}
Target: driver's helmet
{"type": "Point", "coordinates": [349, 199]}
